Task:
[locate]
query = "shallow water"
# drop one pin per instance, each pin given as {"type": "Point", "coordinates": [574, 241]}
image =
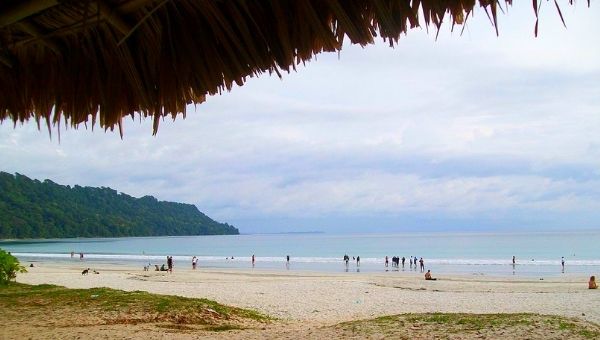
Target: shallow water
{"type": "Point", "coordinates": [461, 253]}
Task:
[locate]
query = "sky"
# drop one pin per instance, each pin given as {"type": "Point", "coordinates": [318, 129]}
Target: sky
{"type": "Point", "coordinates": [468, 132]}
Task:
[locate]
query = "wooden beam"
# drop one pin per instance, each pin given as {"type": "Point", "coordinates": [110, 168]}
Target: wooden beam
{"type": "Point", "coordinates": [33, 30]}
{"type": "Point", "coordinates": [132, 6]}
{"type": "Point", "coordinates": [113, 17]}
{"type": "Point", "coordinates": [24, 9]}
{"type": "Point", "coordinates": [6, 60]}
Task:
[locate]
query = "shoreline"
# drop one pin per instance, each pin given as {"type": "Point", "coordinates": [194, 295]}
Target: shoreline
{"type": "Point", "coordinates": [451, 267]}
{"type": "Point", "coordinates": [327, 298]}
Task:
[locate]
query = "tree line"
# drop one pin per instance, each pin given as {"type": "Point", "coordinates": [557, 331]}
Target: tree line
{"type": "Point", "coordinates": [30, 208]}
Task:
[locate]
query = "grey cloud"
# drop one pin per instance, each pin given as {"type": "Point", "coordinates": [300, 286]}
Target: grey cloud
{"type": "Point", "coordinates": [456, 133]}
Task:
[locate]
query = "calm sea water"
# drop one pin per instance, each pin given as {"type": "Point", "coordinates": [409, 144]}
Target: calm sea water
{"type": "Point", "coordinates": [461, 253]}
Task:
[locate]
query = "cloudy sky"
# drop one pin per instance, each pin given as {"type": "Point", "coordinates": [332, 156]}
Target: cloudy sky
{"type": "Point", "coordinates": [471, 132]}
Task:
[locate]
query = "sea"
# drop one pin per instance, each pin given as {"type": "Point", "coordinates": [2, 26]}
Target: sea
{"type": "Point", "coordinates": [536, 253]}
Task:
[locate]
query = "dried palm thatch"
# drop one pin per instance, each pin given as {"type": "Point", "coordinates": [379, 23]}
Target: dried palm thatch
{"type": "Point", "coordinates": [102, 60]}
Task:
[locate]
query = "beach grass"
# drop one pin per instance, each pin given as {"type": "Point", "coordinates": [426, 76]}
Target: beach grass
{"type": "Point", "coordinates": [49, 311]}
{"type": "Point", "coordinates": [62, 307]}
{"type": "Point", "coordinates": [462, 325]}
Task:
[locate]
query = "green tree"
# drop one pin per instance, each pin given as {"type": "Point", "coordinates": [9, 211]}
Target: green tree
{"type": "Point", "coordinates": [33, 209]}
{"type": "Point", "coordinates": [9, 267]}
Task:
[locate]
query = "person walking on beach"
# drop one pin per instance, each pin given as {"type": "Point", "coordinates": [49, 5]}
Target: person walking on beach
{"type": "Point", "coordinates": [253, 260]}
{"type": "Point", "coordinates": [386, 261]}
{"type": "Point", "coordinates": [194, 262]}
{"type": "Point", "coordinates": [422, 264]}
{"type": "Point", "coordinates": [358, 261]}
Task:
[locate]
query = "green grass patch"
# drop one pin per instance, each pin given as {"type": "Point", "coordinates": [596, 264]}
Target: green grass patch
{"type": "Point", "coordinates": [117, 306]}
{"type": "Point", "coordinates": [433, 325]}
{"type": "Point", "coordinates": [566, 325]}
{"type": "Point", "coordinates": [588, 334]}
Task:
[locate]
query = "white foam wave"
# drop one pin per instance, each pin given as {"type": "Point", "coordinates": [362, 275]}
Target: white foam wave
{"type": "Point", "coordinates": [308, 260]}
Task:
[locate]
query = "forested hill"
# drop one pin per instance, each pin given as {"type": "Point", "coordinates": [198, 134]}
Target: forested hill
{"type": "Point", "coordinates": [33, 209]}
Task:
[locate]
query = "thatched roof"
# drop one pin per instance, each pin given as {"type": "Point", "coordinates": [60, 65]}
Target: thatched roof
{"type": "Point", "coordinates": [102, 60]}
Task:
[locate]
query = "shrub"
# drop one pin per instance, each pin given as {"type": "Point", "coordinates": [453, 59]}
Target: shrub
{"type": "Point", "coordinates": [9, 267]}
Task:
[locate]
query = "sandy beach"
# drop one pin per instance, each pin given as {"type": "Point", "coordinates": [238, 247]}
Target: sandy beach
{"type": "Point", "coordinates": [328, 298]}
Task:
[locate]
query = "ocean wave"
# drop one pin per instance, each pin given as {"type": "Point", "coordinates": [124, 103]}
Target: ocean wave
{"type": "Point", "coordinates": [308, 260]}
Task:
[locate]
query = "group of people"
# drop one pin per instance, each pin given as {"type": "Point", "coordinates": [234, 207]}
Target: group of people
{"type": "Point", "coordinates": [396, 260]}
{"type": "Point", "coordinates": [412, 261]}
{"type": "Point", "coordinates": [347, 260]}
{"type": "Point", "coordinates": [415, 261]}
{"type": "Point", "coordinates": [80, 255]}
{"type": "Point", "coordinates": [169, 266]}
{"type": "Point", "coordinates": [162, 268]}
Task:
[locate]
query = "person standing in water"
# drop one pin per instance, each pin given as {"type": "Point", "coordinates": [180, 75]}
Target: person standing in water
{"type": "Point", "coordinates": [562, 263]}
{"type": "Point", "coordinates": [253, 260]}
{"type": "Point", "coordinates": [358, 261]}
{"type": "Point", "coordinates": [386, 261]}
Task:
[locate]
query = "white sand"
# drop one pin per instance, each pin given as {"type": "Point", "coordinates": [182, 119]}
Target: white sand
{"type": "Point", "coordinates": [329, 298]}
